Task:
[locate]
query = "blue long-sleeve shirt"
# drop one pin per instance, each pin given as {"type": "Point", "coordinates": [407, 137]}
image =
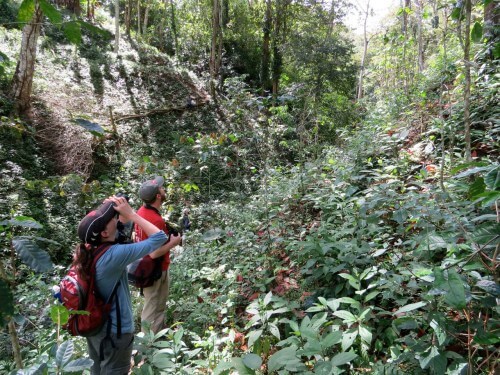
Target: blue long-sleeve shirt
{"type": "Point", "coordinates": [112, 268]}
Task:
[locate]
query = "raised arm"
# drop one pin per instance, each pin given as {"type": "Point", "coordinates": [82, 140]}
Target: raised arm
{"type": "Point", "coordinates": [127, 213]}
{"type": "Point", "coordinates": [173, 241]}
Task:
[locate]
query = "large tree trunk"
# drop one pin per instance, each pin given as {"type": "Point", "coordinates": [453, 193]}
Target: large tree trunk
{"type": "Point", "coordinates": [468, 11]}
{"type": "Point", "coordinates": [365, 51]}
{"type": "Point", "coordinates": [117, 25]}
{"type": "Point", "coordinates": [277, 45]}
{"type": "Point", "coordinates": [22, 81]}
{"type": "Point", "coordinates": [265, 82]}
{"type": "Point", "coordinates": [138, 17]}
{"type": "Point", "coordinates": [216, 47]}
{"type": "Point", "coordinates": [420, 39]}
{"type": "Point", "coordinates": [174, 27]}
{"type": "Point", "coordinates": [146, 19]}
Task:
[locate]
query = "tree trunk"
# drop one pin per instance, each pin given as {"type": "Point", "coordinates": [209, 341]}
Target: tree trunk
{"type": "Point", "coordinates": [468, 11]}
{"type": "Point", "coordinates": [128, 14]}
{"type": "Point", "coordinates": [138, 17]}
{"type": "Point", "coordinates": [420, 39]}
{"type": "Point", "coordinates": [117, 25]}
{"type": "Point", "coordinates": [266, 50]}
{"type": "Point", "coordinates": [216, 49]}
{"type": "Point", "coordinates": [365, 51]}
{"type": "Point", "coordinates": [22, 81]}
{"type": "Point", "coordinates": [174, 27]}
{"type": "Point", "coordinates": [277, 42]}
{"type": "Point", "coordinates": [145, 23]}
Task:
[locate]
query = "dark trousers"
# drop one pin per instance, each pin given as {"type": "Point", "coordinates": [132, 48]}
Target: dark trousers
{"type": "Point", "coordinates": [111, 355]}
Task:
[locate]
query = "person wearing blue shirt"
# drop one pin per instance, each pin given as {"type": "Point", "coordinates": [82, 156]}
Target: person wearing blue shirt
{"type": "Point", "coordinates": [112, 351]}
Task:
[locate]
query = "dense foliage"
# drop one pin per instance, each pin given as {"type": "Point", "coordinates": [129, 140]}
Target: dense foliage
{"type": "Point", "coordinates": [331, 234]}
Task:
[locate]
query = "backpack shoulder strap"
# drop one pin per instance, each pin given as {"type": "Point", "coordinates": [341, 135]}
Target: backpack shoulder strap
{"type": "Point", "coordinates": [101, 249]}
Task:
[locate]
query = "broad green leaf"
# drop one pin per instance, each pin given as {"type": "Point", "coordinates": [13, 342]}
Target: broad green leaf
{"type": "Point", "coordinates": [456, 291]}
{"type": "Point", "coordinates": [410, 307]}
{"type": "Point", "coordinates": [253, 336]}
{"type": "Point", "coordinates": [435, 361]}
{"type": "Point", "coordinates": [7, 305]}
{"type": "Point", "coordinates": [350, 301]}
{"type": "Point", "coordinates": [348, 338]}
{"type": "Point", "coordinates": [476, 33]}
{"type": "Point", "coordinates": [222, 366]}
{"type": "Point", "coordinates": [333, 304]}
{"type": "Point", "coordinates": [73, 32]}
{"type": "Point", "coordinates": [477, 187]}
{"type": "Point", "coordinates": [92, 127]}
{"type": "Point", "coordinates": [59, 314]}
{"type": "Point", "coordinates": [472, 171]}
{"type": "Point", "coordinates": [323, 368]}
{"type": "Point", "coordinates": [343, 358]}
{"type": "Point", "coordinates": [345, 315]}
{"type": "Point", "coordinates": [440, 332]}
{"type": "Point", "coordinates": [252, 361]}
{"type": "Point", "coordinates": [78, 365]}
{"type": "Point", "coordinates": [95, 30]}
{"type": "Point", "coordinates": [365, 334]}
{"type": "Point", "coordinates": [25, 222]}
{"type": "Point", "coordinates": [240, 367]}
{"type": "Point", "coordinates": [331, 339]}
{"type": "Point", "coordinates": [492, 179]}
{"type": "Point", "coordinates": [312, 347]}
{"type": "Point", "coordinates": [64, 353]}
{"type": "Point", "coordinates": [487, 233]}
{"type": "Point", "coordinates": [273, 329]}
{"type": "Point", "coordinates": [26, 11]}
{"type": "Point", "coordinates": [436, 242]}
{"type": "Point", "coordinates": [487, 338]}
{"type": "Point", "coordinates": [52, 13]}
{"type": "Point", "coordinates": [162, 361]}
{"type": "Point", "coordinates": [371, 295]}
{"type": "Point", "coordinates": [489, 286]}
{"type": "Point", "coordinates": [282, 358]}
{"type": "Point", "coordinates": [268, 298]}
{"type": "Point", "coordinates": [32, 255]}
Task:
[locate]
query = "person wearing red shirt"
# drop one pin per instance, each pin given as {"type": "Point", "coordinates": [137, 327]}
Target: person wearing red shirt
{"type": "Point", "coordinates": [153, 195]}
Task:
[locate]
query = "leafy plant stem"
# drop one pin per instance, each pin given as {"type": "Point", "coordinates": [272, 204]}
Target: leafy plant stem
{"type": "Point", "coordinates": [16, 348]}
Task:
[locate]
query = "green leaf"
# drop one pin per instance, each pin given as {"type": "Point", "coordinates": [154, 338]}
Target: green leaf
{"type": "Point", "coordinates": [410, 307]}
{"type": "Point", "coordinates": [477, 187]}
{"type": "Point", "coordinates": [78, 365]}
{"type": "Point", "coordinates": [435, 361]}
{"type": "Point", "coordinates": [282, 358]}
{"type": "Point", "coordinates": [273, 329]}
{"type": "Point", "coordinates": [487, 233]}
{"type": "Point", "coordinates": [489, 286]}
{"type": "Point", "coordinates": [252, 361]}
{"type": "Point", "coordinates": [212, 234]}
{"type": "Point", "coordinates": [267, 298]}
{"type": "Point", "coordinates": [162, 361]}
{"type": "Point", "coordinates": [253, 336]}
{"type": "Point", "coordinates": [240, 367]}
{"type": "Point", "coordinates": [26, 11]}
{"type": "Point", "coordinates": [59, 314]}
{"type": "Point", "coordinates": [92, 127]}
{"type": "Point", "coordinates": [32, 255]}
{"type": "Point", "coordinates": [25, 222]}
{"type": "Point", "coordinates": [365, 334]}
{"type": "Point", "coordinates": [456, 291]}
{"type": "Point", "coordinates": [440, 332]}
{"type": "Point", "coordinates": [343, 358]}
{"type": "Point", "coordinates": [95, 30]}
{"type": "Point", "coordinates": [331, 339]}
{"type": "Point", "coordinates": [52, 13]}
{"type": "Point", "coordinates": [476, 33]}
{"type": "Point", "coordinates": [223, 366]}
{"type": "Point", "coordinates": [492, 179]}
{"type": "Point", "coordinates": [64, 353]}
{"type": "Point", "coordinates": [486, 338]}
{"type": "Point", "coordinates": [348, 338]}
{"type": "Point", "coordinates": [7, 305]}
{"type": "Point", "coordinates": [73, 32]}
{"type": "Point", "coordinates": [345, 315]}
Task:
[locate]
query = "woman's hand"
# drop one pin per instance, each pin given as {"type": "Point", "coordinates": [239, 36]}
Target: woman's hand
{"type": "Point", "coordinates": [122, 206]}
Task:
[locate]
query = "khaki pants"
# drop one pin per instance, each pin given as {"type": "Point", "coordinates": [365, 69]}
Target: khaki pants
{"type": "Point", "coordinates": [155, 300]}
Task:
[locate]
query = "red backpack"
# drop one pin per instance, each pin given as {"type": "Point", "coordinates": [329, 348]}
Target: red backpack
{"type": "Point", "coordinates": [145, 271]}
{"type": "Point", "coordinates": [78, 294]}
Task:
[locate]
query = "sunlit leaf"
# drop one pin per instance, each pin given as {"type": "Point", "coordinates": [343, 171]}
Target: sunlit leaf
{"type": "Point", "coordinates": [78, 365]}
{"type": "Point", "coordinates": [26, 11]}
{"type": "Point", "coordinates": [492, 179]}
{"type": "Point", "coordinates": [281, 358]}
{"type": "Point", "coordinates": [50, 12]}
{"type": "Point", "coordinates": [73, 32]}
{"type": "Point", "coordinates": [410, 307]}
{"type": "Point", "coordinates": [476, 33]}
